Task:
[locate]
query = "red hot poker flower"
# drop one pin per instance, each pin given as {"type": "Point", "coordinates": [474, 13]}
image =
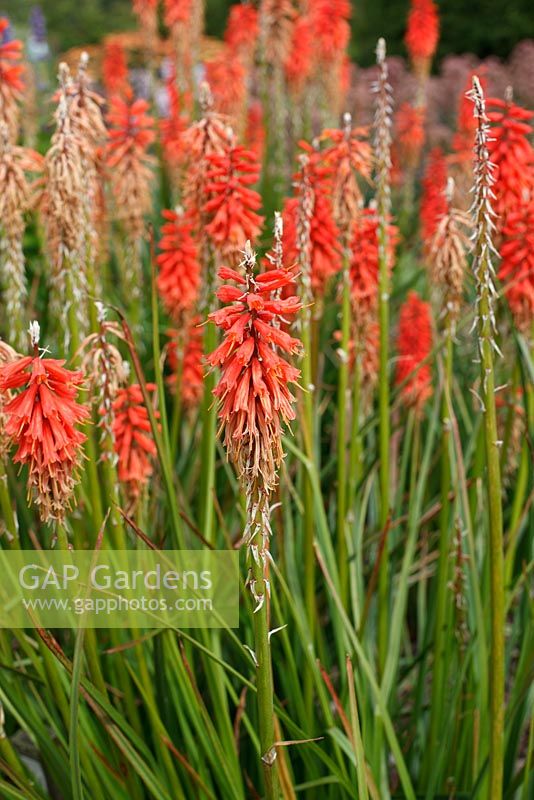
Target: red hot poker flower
{"type": "Point", "coordinates": [511, 153]}
{"type": "Point", "coordinates": [226, 76]}
{"type": "Point", "coordinates": [298, 65]}
{"type": "Point", "coordinates": [331, 29]}
{"type": "Point", "coordinates": [179, 268]}
{"type": "Point", "coordinates": [11, 84]}
{"type": "Point", "coordinates": [242, 30]}
{"type": "Point", "coordinates": [422, 34]}
{"type": "Point", "coordinates": [41, 422]}
{"type": "Point", "coordinates": [409, 122]}
{"type": "Point", "coordinates": [364, 264]}
{"type": "Point", "coordinates": [172, 127]}
{"type": "Point", "coordinates": [433, 202]}
{"type": "Point", "coordinates": [114, 68]}
{"type": "Point", "coordinates": [255, 132]}
{"type": "Point", "coordinates": [414, 346]}
{"type": "Point", "coordinates": [134, 444]}
{"type": "Point", "coordinates": [253, 392]}
{"type": "Point", "coordinates": [232, 206]}
{"type": "Point", "coordinates": [517, 265]}
{"type": "Point", "coordinates": [187, 358]}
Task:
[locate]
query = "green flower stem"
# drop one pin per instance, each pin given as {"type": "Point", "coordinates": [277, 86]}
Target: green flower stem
{"type": "Point", "coordinates": [436, 730]}
{"type": "Point", "coordinates": [264, 683]}
{"type": "Point", "coordinates": [209, 434]}
{"type": "Point", "coordinates": [342, 392]}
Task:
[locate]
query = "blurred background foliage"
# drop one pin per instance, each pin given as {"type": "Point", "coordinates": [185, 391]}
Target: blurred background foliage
{"type": "Point", "coordinates": [482, 27]}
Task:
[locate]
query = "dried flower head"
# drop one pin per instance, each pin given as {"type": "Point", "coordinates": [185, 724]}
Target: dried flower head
{"type": "Point", "coordinates": [18, 195]}
{"type": "Point", "coordinates": [179, 268]}
{"type": "Point", "coordinates": [277, 18]}
{"type": "Point", "coordinates": [483, 221]}
{"type": "Point", "coordinates": [422, 34]}
{"type": "Point", "coordinates": [253, 392]}
{"type": "Point", "coordinates": [64, 208]}
{"type": "Point", "coordinates": [42, 423]}
{"type": "Point", "coordinates": [448, 256]}
{"type": "Point", "coordinates": [414, 345]}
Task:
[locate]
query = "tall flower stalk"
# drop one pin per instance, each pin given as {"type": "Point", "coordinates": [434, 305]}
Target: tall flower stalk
{"type": "Point", "coordinates": [382, 152]}
{"type": "Point", "coordinates": [254, 404]}
{"type": "Point", "coordinates": [448, 266]}
{"type": "Point", "coordinates": [483, 216]}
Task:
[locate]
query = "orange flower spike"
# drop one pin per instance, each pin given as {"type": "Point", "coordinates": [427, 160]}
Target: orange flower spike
{"type": "Point", "coordinates": [433, 201]}
{"type": "Point", "coordinates": [422, 34]}
{"type": "Point", "coordinates": [131, 128]}
{"type": "Point", "coordinates": [364, 263]}
{"type": "Point", "coordinates": [134, 445]}
{"type": "Point", "coordinates": [511, 153]}
{"type": "Point", "coordinates": [173, 126]}
{"type": "Point", "coordinates": [242, 30]}
{"type": "Point", "coordinates": [232, 206]}
{"type": "Point", "coordinates": [177, 12]}
{"type": "Point", "coordinates": [41, 421]}
{"type": "Point", "coordinates": [298, 65]}
{"type": "Point", "coordinates": [114, 68]}
{"type": "Point", "coordinates": [179, 267]}
{"type": "Point", "coordinates": [226, 76]}
{"type": "Point", "coordinates": [517, 263]}
{"type": "Point", "coordinates": [255, 132]}
{"type": "Point", "coordinates": [349, 156]}
{"type": "Point", "coordinates": [187, 358]}
{"type": "Point", "coordinates": [11, 83]}
{"type": "Point", "coordinates": [409, 122]}
{"type": "Point", "coordinates": [253, 392]}
{"type": "Point", "coordinates": [414, 347]}
{"type": "Point", "coordinates": [331, 28]}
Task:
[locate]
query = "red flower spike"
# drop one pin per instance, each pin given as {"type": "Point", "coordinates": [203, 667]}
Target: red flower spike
{"type": "Point", "coordinates": [414, 346]}
{"type": "Point", "coordinates": [253, 393]}
{"type": "Point", "coordinates": [179, 267]}
{"type": "Point", "coordinates": [242, 30]}
{"type": "Point", "coordinates": [226, 76]}
{"type": "Point", "coordinates": [422, 34]}
{"type": "Point", "coordinates": [433, 201]}
{"type": "Point", "coordinates": [131, 128]}
{"type": "Point", "coordinates": [177, 12]}
{"type": "Point", "coordinates": [255, 132]}
{"type": "Point", "coordinates": [188, 359]}
{"type": "Point", "coordinates": [10, 68]}
{"type": "Point", "coordinates": [298, 66]}
{"type": "Point", "coordinates": [364, 264]}
{"type": "Point", "coordinates": [132, 435]}
{"type": "Point", "coordinates": [331, 28]}
{"type": "Point", "coordinates": [512, 155]}
{"type": "Point", "coordinates": [232, 205]}
{"type": "Point", "coordinates": [114, 68]}
{"type": "Point", "coordinates": [41, 421]}
{"type": "Point", "coordinates": [172, 127]}
{"type": "Point", "coordinates": [517, 263]}
{"type": "Point", "coordinates": [409, 122]}
{"type": "Point", "coordinates": [325, 249]}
